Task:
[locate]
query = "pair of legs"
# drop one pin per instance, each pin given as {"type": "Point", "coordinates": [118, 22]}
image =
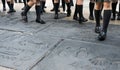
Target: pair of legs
{"type": "Point", "coordinates": [4, 6]}
{"type": "Point", "coordinates": [91, 8]}
{"type": "Point", "coordinates": [11, 6]}
{"type": "Point", "coordinates": [25, 2]}
{"type": "Point", "coordinates": [106, 18]}
{"type": "Point", "coordinates": [118, 18]}
{"type": "Point", "coordinates": [79, 10]}
{"type": "Point", "coordinates": [114, 5]}
{"type": "Point", "coordinates": [42, 5]}
{"type": "Point", "coordinates": [56, 6]}
{"type": "Point", "coordinates": [37, 8]}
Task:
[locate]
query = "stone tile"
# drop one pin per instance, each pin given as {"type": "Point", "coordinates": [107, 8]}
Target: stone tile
{"type": "Point", "coordinates": [76, 55]}
{"type": "Point", "coordinates": [25, 52]}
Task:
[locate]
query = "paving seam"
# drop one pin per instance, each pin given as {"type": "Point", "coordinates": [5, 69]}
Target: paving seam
{"type": "Point", "coordinates": [47, 53]}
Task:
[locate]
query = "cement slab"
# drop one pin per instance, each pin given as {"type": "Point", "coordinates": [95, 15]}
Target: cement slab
{"type": "Point", "coordinates": [76, 55]}
{"type": "Point", "coordinates": [25, 52]}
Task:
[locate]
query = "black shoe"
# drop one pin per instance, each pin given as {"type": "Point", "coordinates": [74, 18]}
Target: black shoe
{"type": "Point", "coordinates": [97, 29]}
{"type": "Point", "coordinates": [91, 17]}
{"type": "Point", "coordinates": [11, 11]}
{"type": "Point", "coordinates": [24, 17]}
{"type": "Point", "coordinates": [83, 19]}
{"type": "Point", "coordinates": [45, 6]}
{"type": "Point", "coordinates": [56, 16]}
{"type": "Point", "coordinates": [68, 13]}
{"type": "Point", "coordinates": [23, 8]}
{"type": "Point", "coordinates": [75, 18]}
{"type": "Point", "coordinates": [4, 9]}
{"type": "Point", "coordinates": [112, 18]}
{"type": "Point", "coordinates": [118, 18]}
{"type": "Point", "coordinates": [40, 21]}
{"type": "Point", "coordinates": [102, 36]}
{"type": "Point", "coordinates": [52, 9]}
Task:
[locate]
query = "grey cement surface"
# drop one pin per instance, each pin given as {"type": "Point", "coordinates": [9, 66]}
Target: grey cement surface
{"type": "Point", "coordinates": [61, 44]}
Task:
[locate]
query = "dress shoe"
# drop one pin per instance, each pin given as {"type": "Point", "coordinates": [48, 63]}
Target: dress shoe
{"type": "Point", "coordinates": [102, 36]}
{"type": "Point", "coordinates": [97, 29]}
{"type": "Point", "coordinates": [40, 21]}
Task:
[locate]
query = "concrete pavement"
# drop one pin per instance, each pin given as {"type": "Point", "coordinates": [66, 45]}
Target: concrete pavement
{"type": "Point", "coordinates": [61, 44]}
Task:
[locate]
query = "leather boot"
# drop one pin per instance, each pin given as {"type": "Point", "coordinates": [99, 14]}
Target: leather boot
{"type": "Point", "coordinates": [68, 10]}
{"type": "Point", "coordinates": [75, 17]}
{"type": "Point", "coordinates": [56, 6]}
{"type": "Point", "coordinates": [38, 15]}
{"type": "Point", "coordinates": [24, 13]}
{"type": "Point", "coordinates": [97, 18]}
{"type": "Point", "coordinates": [106, 19]}
{"type": "Point", "coordinates": [91, 7]}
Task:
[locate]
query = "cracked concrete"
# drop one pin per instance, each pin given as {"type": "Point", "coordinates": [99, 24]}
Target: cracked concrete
{"type": "Point", "coordinates": [61, 44]}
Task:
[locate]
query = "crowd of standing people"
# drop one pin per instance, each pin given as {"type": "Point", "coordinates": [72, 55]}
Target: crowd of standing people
{"type": "Point", "coordinates": [95, 8]}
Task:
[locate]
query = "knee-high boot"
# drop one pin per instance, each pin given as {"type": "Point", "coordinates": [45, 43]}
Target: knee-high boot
{"type": "Point", "coordinates": [56, 6]}
{"type": "Point", "coordinates": [80, 11]}
{"type": "Point", "coordinates": [118, 18]}
{"type": "Point", "coordinates": [114, 5]}
{"type": "Point", "coordinates": [106, 19]}
{"type": "Point", "coordinates": [42, 5]}
{"type": "Point", "coordinates": [75, 17]}
{"type": "Point", "coordinates": [91, 7]}
{"type": "Point", "coordinates": [11, 9]}
{"type": "Point", "coordinates": [38, 14]}
{"type": "Point", "coordinates": [68, 10]}
{"type": "Point", "coordinates": [24, 13]}
{"type": "Point", "coordinates": [97, 18]}
{"type": "Point", "coordinates": [4, 6]}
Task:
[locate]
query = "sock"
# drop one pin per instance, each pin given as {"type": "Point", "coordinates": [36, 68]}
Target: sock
{"type": "Point", "coordinates": [106, 19]}
{"type": "Point", "coordinates": [97, 17]}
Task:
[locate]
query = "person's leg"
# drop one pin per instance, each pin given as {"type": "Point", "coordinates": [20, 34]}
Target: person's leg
{"type": "Point", "coordinates": [91, 7]}
{"type": "Point", "coordinates": [97, 13]}
{"type": "Point", "coordinates": [114, 5]}
{"type": "Point", "coordinates": [38, 12]}
{"type": "Point", "coordinates": [11, 6]}
{"type": "Point", "coordinates": [4, 6]}
{"type": "Point", "coordinates": [80, 11]}
{"type": "Point", "coordinates": [71, 3]}
{"type": "Point", "coordinates": [53, 6]}
{"type": "Point", "coordinates": [42, 5]}
{"type": "Point", "coordinates": [56, 6]}
{"type": "Point", "coordinates": [106, 19]}
{"type": "Point", "coordinates": [27, 8]}
{"type": "Point", "coordinates": [118, 18]}
{"type": "Point", "coordinates": [68, 8]}
{"type": "Point", "coordinates": [63, 5]}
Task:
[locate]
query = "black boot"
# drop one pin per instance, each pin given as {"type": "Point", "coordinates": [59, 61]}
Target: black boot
{"type": "Point", "coordinates": [118, 18]}
{"type": "Point", "coordinates": [24, 13]}
{"type": "Point", "coordinates": [56, 6]}
{"type": "Point", "coordinates": [106, 19]}
{"type": "Point", "coordinates": [80, 11]}
{"type": "Point", "coordinates": [53, 9]}
{"type": "Point", "coordinates": [114, 5]}
{"type": "Point", "coordinates": [71, 3]}
{"type": "Point", "coordinates": [97, 19]}
{"type": "Point", "coordinates": [63, 5]}
{"type": "Point", "coordinates": [4, 6]}
{"type": "Point", "coordinates": [43, 5]}
{"type": "Point", "coordinates": [38, 15]}
{"type": "Point", "coordinates": [75, 17]}
{"type": "Point", "coordinates": [91, 7]}
{"type": "Point", "coordinates": [68, 10]}
{"type": "Point", "coordinates": [11, 9]}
